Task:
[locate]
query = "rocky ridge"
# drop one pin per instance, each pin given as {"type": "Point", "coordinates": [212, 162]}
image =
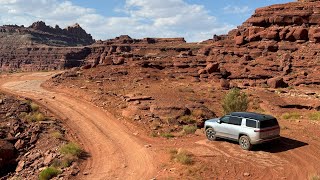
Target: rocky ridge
{"type": "Point", "coordinates": [41, 47]}
{"type": "Point", "coordinates": [279, 43]}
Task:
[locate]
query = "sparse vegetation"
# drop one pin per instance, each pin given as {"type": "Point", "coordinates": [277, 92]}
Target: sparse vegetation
{"type": "Point", "coordinates": [315, 116]}
{"type": "Point", "coordinates": [34, 107]}
{"type": "Point", "coordinates": [235, 101]}
{"type": "Point", "coordinates": [71, 149]}
{"type": "Point", "coordinates": [48, 173]}
{"type": "Point", "coordinates": [189, 129]}
{"type": "Point", "coordinates": [315, 177]}
{"type": "Point", "coordinates": [181, 156]}
{"type": "Point", "coordinates": [154, 134]}
{"type": "Point", "coordinates": [57, 135]}
{"type": "Point", "coordinates": [291, 115]}
{"type": "Point", "coordinates": [167, 135]}
{"type": "Point", "coordinates": [198, 113]}
{"type": "Point", "coordinates": [35, 117]}
{"type": "Point", "coordinates": [187, 119]}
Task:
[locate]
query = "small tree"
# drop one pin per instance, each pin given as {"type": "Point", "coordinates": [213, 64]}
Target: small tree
{"type": "Point", "coordinates": [235, 101]}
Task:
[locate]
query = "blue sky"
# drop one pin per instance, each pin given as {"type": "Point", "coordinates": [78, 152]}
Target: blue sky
{"type": "Point", "coordinates": [196, 20]}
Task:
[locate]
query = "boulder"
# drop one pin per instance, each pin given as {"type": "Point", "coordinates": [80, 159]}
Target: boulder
{"type": "Point", "coordinates": [225, 84]}
{"type": "Point", "coordinates": [212, 67]}
{"type": "Point", "coordinates": [239, 40]}
{"type": "Point", "coordinates": [277, 82]}
{"type": "Point", "coordinates": [118, 61]}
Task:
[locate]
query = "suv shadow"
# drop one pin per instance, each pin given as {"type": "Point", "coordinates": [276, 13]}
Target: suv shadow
{"type": "Point", "coordinates": [281, 145]}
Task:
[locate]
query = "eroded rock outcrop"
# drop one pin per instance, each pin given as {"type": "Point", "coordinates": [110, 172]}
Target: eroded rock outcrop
{"type": "Point", "coordinates": [277, 41]}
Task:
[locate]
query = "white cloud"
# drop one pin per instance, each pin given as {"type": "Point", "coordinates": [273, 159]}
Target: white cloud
{"type": "Point", "coordinates": [236, 9]}
{"type": "Point", "coordinates": [142, 18]}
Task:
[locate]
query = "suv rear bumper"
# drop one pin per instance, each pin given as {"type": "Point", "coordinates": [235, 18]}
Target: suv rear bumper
{"type": "Point", "coordinates": [259, 141]}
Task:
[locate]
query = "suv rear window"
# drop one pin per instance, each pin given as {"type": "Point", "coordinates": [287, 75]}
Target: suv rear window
{"type": "Point", "coordinates": [251, 123]}
{"type": "Point", "coordinates": [268, 123]}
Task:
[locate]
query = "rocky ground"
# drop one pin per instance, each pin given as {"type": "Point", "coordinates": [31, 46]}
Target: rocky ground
{"type": "Point", "coordinates": [31, 140]}
{"type": "Point", "coordinates": [164, 89]}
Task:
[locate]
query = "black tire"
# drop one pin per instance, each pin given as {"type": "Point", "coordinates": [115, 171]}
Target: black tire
{"type": "Point", "coordinates": [245, 143]}
{"type": "Point", "coordinates": [211, 134]}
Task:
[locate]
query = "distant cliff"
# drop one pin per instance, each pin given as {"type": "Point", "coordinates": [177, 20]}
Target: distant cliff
{"type": "Point", "coordinates": [41, 47]}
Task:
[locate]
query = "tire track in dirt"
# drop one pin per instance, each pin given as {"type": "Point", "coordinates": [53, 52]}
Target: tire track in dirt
{"type": "Point", "coordinates": [293, 163]}
{"type": "Point", "coordinates": [114, 152]}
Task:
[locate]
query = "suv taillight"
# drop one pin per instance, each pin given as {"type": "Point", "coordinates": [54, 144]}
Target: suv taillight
{"type": "Point", "coordinates": [265, 130]}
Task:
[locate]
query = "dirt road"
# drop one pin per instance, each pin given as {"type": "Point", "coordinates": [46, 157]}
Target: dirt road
{"type": "Point", "coordinates": [114, 152]}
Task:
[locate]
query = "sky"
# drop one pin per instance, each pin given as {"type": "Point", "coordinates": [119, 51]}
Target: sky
{"type": "Point", "coordinates": [196, 20]}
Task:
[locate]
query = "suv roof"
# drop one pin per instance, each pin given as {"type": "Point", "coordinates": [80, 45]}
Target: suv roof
{"type": "Point", "coordinates": [256, 116]}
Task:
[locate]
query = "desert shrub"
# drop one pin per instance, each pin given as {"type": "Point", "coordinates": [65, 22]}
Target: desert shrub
{"type": "Point", "coordinates": [182, 156]}
{"type": "Point", "coordinates": [189, 129]}
{"type": "Point", "coordinates": [167, 135]}
{"type": "Point", "coordinates": [68, 160]}
{"type": "Point", "coordinates": [57, 135]}
{"type": "Point", "coordinates": [154, 134]}
{"type": "Point", "coordinates": [315, 116]}
{"type": "Point", "coordinates": [34, 107]}
{"type": "Point", "coordinates": [315, 177]}
{"type": "Point", "coordinates": [35, 117]}
{"type": "Point", "coordinates": [235, 101]}
{"type": "Point", "coordinates": [48, 173]}
{"type": "Point", "coordinates": [71, 149]}
{"type": "Point", "coordinates": [187, 119]}
{"type": "Point", "coordinates": [292, 115]}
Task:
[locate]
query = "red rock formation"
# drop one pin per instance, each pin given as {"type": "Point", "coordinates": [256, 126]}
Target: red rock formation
{"type": "Point", "coordinates": [278, 40]}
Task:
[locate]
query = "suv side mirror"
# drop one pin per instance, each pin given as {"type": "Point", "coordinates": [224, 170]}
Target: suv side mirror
{"type": "Point", "coordinates": [219, 121]}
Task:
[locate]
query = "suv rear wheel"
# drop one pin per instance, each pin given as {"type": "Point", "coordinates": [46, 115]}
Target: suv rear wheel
{"type": "Point", "coordinates": [211, 134]}
{"type": "Point", "coordinates": [245, 143]}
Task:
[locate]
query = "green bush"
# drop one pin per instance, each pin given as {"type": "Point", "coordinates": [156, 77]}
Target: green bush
{"type": "Point", "coordinates": [189, 129]}
{"type": "Point", "coordinates": [48, 173]}
{"type": "Point", "coordinates": [71, 149]}
{"type": "Point", "coordinates": [235, 101]}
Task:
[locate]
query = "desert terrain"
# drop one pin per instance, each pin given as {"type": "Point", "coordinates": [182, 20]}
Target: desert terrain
{"type": "Point", "coordinates": [136, 107]}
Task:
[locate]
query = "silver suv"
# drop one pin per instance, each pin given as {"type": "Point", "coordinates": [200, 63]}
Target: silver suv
{"type": "Point", "coordinates": [246, 128]}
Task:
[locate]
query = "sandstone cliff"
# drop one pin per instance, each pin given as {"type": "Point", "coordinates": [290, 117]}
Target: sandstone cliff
{"type": "Point", "coordinates": [41, 47]}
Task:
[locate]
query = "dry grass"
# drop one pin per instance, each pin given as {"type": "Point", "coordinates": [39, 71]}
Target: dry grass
{"type": "Point", "coordinates": [35, 117]}
{"type": "Point", "coordinates": [57, 135]}
{"type": "Point", "coordinates": [315, 177]}
{"type": "Point", "coordinates": [48, 173]}
{"type": "Point", "coordinates": [187, 119]}
{"type": "Point", "coordinates": [315, 116]}
{"type": "Point", "coordinates": [291, 115]}
{"type": "Point", "coordinates": [71, 149]}
{"type": "Point", "coordinates": [189, 129]}
{"type": "Point", "coordinates": [167, 135]}
{"type": "Point", "coordinates": [181, 156]}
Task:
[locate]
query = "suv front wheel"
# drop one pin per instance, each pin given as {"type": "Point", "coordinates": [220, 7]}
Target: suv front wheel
{"type": "Point", "coordinates": [245, 143]}
{"type": "Point", "coordinates": [211, 134]}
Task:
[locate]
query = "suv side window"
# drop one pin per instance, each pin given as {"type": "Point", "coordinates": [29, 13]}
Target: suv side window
{"type": "Point", "coordinates": [225, 119]}
{"type": "Point", "coordinates": [235, 121]}
{"type": "Point", "coordinates": [251, 123]}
